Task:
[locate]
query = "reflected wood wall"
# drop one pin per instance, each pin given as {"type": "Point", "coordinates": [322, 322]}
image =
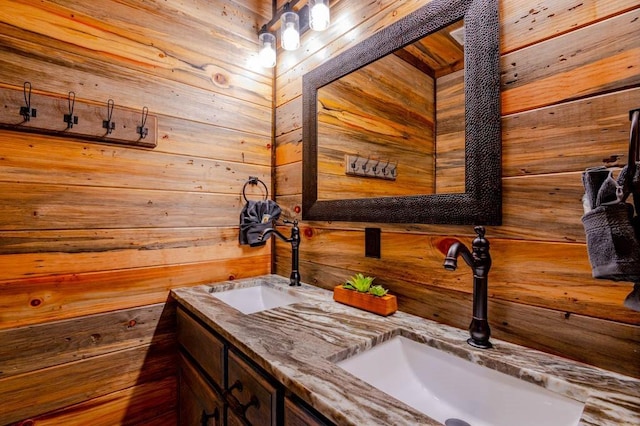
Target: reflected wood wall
{"type": "Point", "coordinates": [93, 237]}
{"type": "Point", "coordinates": [570, 74]}
{"type": "Point", "coordinates": [383, 113]}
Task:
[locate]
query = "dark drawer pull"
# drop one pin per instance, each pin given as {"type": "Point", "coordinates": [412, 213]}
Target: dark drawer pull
{"type": "Point", "coordinates": [234, 403]}
{"type": "Point", "coordinates": [253, 402]}
{"type": "Point", "coordinates": [204, 420]}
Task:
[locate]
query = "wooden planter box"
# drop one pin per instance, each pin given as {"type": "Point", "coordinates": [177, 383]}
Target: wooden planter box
{"type": "Point", "coordinates": [385, 305]}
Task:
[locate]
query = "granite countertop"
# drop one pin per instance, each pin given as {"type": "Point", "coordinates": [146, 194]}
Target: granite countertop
{"type": "Point", "coordinates": [299, 343]}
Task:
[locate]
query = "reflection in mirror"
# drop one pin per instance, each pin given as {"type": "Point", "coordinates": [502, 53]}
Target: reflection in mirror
{"type": "Point", "coordinates": [449, 190]}
{"type": "Point", "coordinates": [396, 119]}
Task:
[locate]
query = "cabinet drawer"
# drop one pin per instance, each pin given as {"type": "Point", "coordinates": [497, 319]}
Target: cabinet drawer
{"type": "Point", "coordinates": [250, 395]}
{"type": "Point", "coordinates": [203, 346]}
{"type": "Point", "coordinates": [297, 415]}
{"type": "Point", "coordinates": [197, 398]}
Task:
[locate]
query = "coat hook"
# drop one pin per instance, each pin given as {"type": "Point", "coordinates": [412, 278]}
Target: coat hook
{"type": "Point", "coordinates": [143, 131]}
{"type": "Point", "coordinates": [71, 119]}
{"type": "Point", "coordinates": [375, 168]}
{"type": "Point", "coordinates": [384, 169]}
{"type": "Point", "coordinates": [25, 111]}
{"type": "Point", "coordinates": [108, 124]}
{"type": "Point", "coordinates": [364, 165]}
{"type": "Point", "coordinates": [393, 171]}
{"type": "Point", "coordinates": [354, 163]}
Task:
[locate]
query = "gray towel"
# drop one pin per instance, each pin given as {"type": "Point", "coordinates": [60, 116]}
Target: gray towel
{"type": "Point", "coordinates": [255, 218]}
{"type": "Point", "coordinates": [613, 248]}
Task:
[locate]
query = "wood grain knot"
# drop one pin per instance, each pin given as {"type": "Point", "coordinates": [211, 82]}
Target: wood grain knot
{"type": "Point", "coordinates": [308, 232]}
{"type": "Point", "coordinates": [220, 79]}
{"type": "Point", "coordinates": [232, 277]}
{"type": "Point", "coordinates": [35, 302]}
{"type": "Point", "coordinates": [297, 209]}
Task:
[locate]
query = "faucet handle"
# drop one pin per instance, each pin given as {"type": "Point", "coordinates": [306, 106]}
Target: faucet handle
{"type": "Point", "coordinates": [480, 243]}
{"type": "Point", "coordinates": [294, 221]}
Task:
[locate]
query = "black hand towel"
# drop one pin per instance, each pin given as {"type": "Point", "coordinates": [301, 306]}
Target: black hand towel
{"type": "Point", "coordinates": [255, 218]}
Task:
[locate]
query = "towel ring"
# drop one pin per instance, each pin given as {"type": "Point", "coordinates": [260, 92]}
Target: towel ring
{"type": "Point", "coordinates": [253, 180]}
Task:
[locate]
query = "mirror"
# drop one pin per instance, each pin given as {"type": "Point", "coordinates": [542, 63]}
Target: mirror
{"type": "Point", "coordinates": [386, 119]}
{"type": "Point", "coordinates": [381, 146]}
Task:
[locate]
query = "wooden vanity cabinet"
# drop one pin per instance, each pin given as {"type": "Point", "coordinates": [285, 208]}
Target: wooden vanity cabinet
{"type": "Point", "coordinates": [199, 404]}
{"type": "Point", "coordinates": [250, 393]}
{"type": "Point", "coordinates": [296, 414]}
{"type": "Point", "coordinates": [220, 383]}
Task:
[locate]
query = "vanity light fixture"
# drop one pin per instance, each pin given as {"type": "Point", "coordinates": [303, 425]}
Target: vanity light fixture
{"type": "Point", "coordinates": [267, 47]}
{"type": "Point", "coordinates": [289, 29]}
{"type": "Point", "coordinates": [314, 15]}
{"type": "Point", "coordinates": [319, 15]}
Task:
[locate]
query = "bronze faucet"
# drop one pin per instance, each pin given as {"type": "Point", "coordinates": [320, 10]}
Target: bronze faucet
{"type": "Point", "coordinates": [294, 278]}
{"type": "Point", "coordinates": [480, 262]}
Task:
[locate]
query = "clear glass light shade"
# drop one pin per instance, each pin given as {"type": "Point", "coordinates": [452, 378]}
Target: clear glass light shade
{"type": "Point", "coordinates": [267, 53]}
{"type": "Point", "coordinates": [319, 15]}
{"type": "Point", "coordinates": [290, 30]}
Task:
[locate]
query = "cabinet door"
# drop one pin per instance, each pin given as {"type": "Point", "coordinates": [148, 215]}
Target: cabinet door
{"type": "Point", "coordinates": [203, 346]}
{"type": "Point", "coordinates": [236, 420]}
{"type": "Point", "coordinates": [250, 395]}
{"type": "Point", "coordinates": [297, 415]}
{"type": "Point", "coordinates": [199, 404]}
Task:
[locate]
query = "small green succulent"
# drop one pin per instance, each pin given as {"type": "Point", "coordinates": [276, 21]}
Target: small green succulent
{"type": "Point", "coordinates": [359, 282]}
{"type": "Point", "coordinates": [378, 290]}
{"type": "Point", "coordinates": [362, 284]}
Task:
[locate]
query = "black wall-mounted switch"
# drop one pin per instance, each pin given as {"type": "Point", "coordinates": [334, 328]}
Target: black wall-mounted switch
{"type": "Point", "coordinates": [372, 242]}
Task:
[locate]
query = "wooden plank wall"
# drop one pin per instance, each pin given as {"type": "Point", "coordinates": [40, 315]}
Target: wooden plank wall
{"type": "Point", "coordinates": [570, 74]}
{"type": "Point", "coordinates": [92, 236]}
{"type": "Point", "coordinates": [358, 115]}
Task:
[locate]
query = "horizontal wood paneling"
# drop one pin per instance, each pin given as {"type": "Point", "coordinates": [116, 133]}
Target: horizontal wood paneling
{"type": "Point", "coordinates": [93, 236]}
{"type": "Point", "coordinates": [184, 137]}
{"type": "Point", "coordinates": [29, 254]}
{"type": "Point", "coordinates": [59, 342]}
{"type": "Point", "coordinates": [151, 403]}
{"type": "Point", "coordinates": [29, 206]}
{"type": "Point", "coordinates": [71, 383]}
{"type": "Point", "coordinates": [95, 80]}
{"type": "Point", "coordinates": [553, 277]}
{"type": "Point", "coordinates": [525, 24]}
{"type": "Point", "coordinates": [569, 77]}
{"type": "Point", "coordinates": [42, 299]}
{"type": "Point", "coordinates": [563, 71]}
{"type": "Point", "coordinates": [28, 158]}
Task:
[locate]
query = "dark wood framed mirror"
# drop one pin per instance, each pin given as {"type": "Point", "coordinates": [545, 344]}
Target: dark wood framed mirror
{"type": "Point", "coordinates": [479, 199]}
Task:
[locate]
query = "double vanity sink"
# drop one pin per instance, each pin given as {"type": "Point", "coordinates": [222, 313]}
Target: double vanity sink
{"type": "Point", "coordinates": [354, 367]}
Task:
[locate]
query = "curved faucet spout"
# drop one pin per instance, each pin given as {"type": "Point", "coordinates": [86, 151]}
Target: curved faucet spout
{"type": "Point", "coordinates": [268, 231]}
{"type": "Point", "coordinates": [294, 278]}
{"type": "Point", "coordinates": [456, 249]}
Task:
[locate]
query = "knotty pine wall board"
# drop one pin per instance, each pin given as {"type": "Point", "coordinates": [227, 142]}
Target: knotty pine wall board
{"type": "Point", "coordinates": [148, 404]}
{"type": "Point", "coordinates": [59, 342]}
{"type": "Point", "coordinates": [29, 254]}
{"type": "Point", "coordinates": [36, 158]}
{"type": "Point", "coordinates": [553, 279]}
{"type": "Point", "coordinates": [170, 47]}
{"type": "Point", "coordinates": [38, 300]}
{"type": "Point", "coordinates": [75, 382]}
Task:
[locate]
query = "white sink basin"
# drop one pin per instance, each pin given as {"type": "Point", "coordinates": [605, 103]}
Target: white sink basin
{"type": "Point", "coordinates": [457, 392]}
{"type": "Point", "coordinates": [249, 300]}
